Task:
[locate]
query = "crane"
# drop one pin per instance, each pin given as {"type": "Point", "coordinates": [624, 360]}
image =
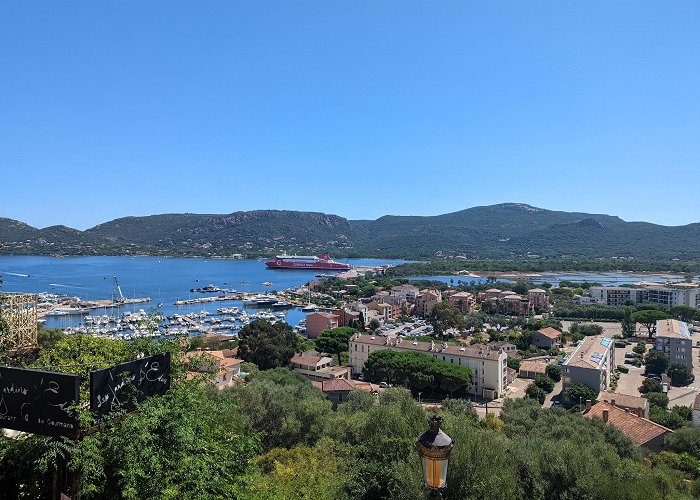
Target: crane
{"type": "Point", "coordinates": [119, 289]}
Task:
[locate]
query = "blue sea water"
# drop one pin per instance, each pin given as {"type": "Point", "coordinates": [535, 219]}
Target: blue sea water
{"type": "Point", "coordinates": [163, 279]}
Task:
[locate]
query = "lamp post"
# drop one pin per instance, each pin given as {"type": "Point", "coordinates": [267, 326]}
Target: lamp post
{"type": "Point", "coordinates": [434, 448]}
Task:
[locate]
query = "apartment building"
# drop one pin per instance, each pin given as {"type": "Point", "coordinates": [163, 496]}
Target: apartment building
{"type": "Point", "coordinates": [318, 322]}
{"type": "Point", "coordinates": [464, 301]}
{"type": "Point", "coordinates": [669, 294]}
{"type": "Point", "coordinates": [488, 366]}
{"type": "Point", "coordinates": [426, 300]}
{"type": "Point", "coordinates": [538, 298]}
{"type": "Point", "coordinates": [406, 292]}
{"type": "Point", "coordinates": [673, 338]}
{"type": "Point", "coordinates": [316, 367]}
{"type": "Point", "coordinates": [591, 364]}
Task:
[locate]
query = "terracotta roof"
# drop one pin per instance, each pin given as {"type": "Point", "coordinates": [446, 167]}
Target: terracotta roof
{"type": "Point", "coordinates": [325, 315]}
{"type": "Point", "coordinates": [533, 366]}
{"type": "Point", "coordinates": [343, 384]}
{"type": "Point", "coordinates": [638, 429]}
{"type": "Point", "coordinates": [623, 400]}
{"type": "Point", "coordinates": [550, 333]}
{"type": "Point", "coordinates": [305, 359]}
{"type": "Point", "coordinates": [465, 295]}
{"type": "Point", "coordinates": [536, 290]}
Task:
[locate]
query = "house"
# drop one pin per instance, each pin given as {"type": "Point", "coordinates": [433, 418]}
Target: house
{"type": "Point", "coordinates": [506, 302]}
{"type": "Point", "coordinates": [464, 301]}
{"type": "Point", "coordinates": [591, 363]}
{"type": "Point", "coordinates": [318, 322]}
{"type": "Point", "coordinates": [633, 404]}
{"type": "Point", "coordinates": [224, 366]}
{"type": "Point", "coordinates": [426, 300]}
{"type": "Point", "coordinates": [338, 390]}
{"type": "Point", "coordinates": [315, 367]}
{"type": "Point", "coordinates": [530, 369]}
{"type": "Point", "coordinates": [641, 431]}
{"type": "Point", "coordinates": [538, 298]}
{"type": "Point", "coordinates": [673, 338]}
{"type": "Point", "coordinates": [385, 311]}
{"type": "Point", "coordinates": [488, 366]}
{"type": "Point", "coordinates": [507, 347]}
{"type": "Point", "coordinates": [546, 338]}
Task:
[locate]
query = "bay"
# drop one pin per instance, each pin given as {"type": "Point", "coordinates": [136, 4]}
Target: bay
{"type": "Point", "coordinates": [163, 279]}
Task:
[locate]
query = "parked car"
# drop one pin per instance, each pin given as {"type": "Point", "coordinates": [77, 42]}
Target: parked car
{"type": "Point", "coordinates": [631, 355]}
{"type": "Point", "coordinates": [654, 376]}
{"type": "Point", "coordinates": [383, 385]}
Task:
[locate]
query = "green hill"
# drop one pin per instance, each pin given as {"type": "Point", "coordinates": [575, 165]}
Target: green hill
{"type": "Point", "coordinates": [509, 230]}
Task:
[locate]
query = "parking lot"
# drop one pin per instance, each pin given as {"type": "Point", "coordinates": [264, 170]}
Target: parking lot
{"type": "Point", "coordinates": [409, 329]}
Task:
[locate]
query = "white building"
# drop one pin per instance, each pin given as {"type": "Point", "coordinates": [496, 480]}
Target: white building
{"type": "Point", "coordinates": [669, 294]}
{"type": "Point", "coordinates": [488, 366]}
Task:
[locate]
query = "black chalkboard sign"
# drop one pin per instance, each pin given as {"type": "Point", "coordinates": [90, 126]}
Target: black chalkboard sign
{"type": "Point", "coordinates": [38, 402]}
{"type": "Point", "coordinates": [118, 388]}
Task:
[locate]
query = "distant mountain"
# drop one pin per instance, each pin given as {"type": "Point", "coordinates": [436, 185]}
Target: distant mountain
{"type": "Point", "coordinates": [508, 230]}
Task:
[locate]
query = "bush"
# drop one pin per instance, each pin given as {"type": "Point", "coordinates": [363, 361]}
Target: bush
{"type": "Point", "coordinates": [623, 369]}
{"type": "Point", "coordinates": [545, 383]}
{"type": "Point", "coordinates": [680, 374]}
{"type": "Point", "coordinates": [536, 393]}
{"type": "Point", "coordinates": [657, 399]}
{"type": "Point", "coordinates": [640, 348]}
{"type": "Point", "coordinates": [553, 372]}
{"type": "Point", "coordinates": [656, 362]}
{"type": "Point", "coordinates": [579, 393]}
{"type": "Point", "coordinates": [513, 363]}
{"type": "Point", "coordinates": [650, 385]}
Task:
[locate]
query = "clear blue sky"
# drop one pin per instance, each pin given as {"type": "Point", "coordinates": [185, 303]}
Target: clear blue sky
{"type": "Point", "coordinates": [360, 109]}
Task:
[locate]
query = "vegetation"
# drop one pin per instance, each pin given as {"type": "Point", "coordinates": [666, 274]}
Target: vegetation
{"type": "Point", "coordinates": [267, 345]}
{"type": "Point", "coordinates": [445, 316]}
{"type": "Point", "coordinates": [680, 374]}
{"type": "Point", "coordinates": [648, 319]}
{"type": "Point", "coordinates": [417, 371]}
{"type": "Point", "coordinates": [650, 385]}
{"type": "Point", "coordinates": [335, 341]}
{"type": "Point", "coordinates": [656, 362]}
{"type": "Point", "coordinates": [553, 372]}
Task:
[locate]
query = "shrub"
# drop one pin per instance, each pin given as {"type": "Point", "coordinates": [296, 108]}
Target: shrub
{"type": "Point", "coordinates": [680, 374]}
{"type": "Point", "coordinates": [553, 372]}
{"type": "Point", "coordinates": [536, 393]}
{"type": "Point", "coordinates": [640, 348]}
{"type": "Point", "coordinates": [622, 369]}
{"type": "Point", "coordinates": [657, 399]}
{"type": "Point", "coordinates": [650, 385]}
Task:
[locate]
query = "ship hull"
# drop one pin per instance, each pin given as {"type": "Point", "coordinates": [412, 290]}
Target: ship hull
{"type": "Point", "coordinates": [327, 266]}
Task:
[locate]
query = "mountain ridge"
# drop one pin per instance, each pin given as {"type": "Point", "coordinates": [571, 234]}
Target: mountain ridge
{"type": "Point", "coordinates": [506, 230]}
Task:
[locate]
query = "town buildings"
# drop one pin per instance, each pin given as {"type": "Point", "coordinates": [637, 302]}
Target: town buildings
{"type": "Point", "coordinates": [642, 432]}
{"type": "Point", "coordinates": [538, 298]}
{"type": "Point", "coordinates": [673, 338]}
{"type": "Point", "coordinates": [224, 366]}
{"type": "Point", "coordinates": [426, 300]}
{"type": "Point", "coordinates": [464, 301]}
{"type": "Point", "coordinates": [488, 366]}
{"type": "Point", "coordinates": [318, 322]}
{"type": "Point", "coordinates": [407, 292]}
{"type": "Point", "coordinates": [546, 338]}
{"type": "Point", "coordinates": [669, 294]}
{"type": "Point", "coordinates": [338, 390]}
{"type": "Point", "coordinates": [591, 363]}
{"type": "Point", "coordinates": [633, 404]}
{"type": "Point", "coordinates": [315, 367]}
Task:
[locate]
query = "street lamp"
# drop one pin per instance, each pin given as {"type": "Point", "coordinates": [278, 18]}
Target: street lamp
{"type": "Point", "coordinates": [434, 448]}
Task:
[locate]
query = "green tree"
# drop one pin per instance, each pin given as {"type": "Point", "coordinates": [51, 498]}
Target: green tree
{"type": "Point", "coordinates": [374, 324]}
{"type": "Point", "coordinates": [684, 313]}
{"type": "Point", "coordinates": [545, 383]}
{"type": "Point", "coordinates": [685, 440]}
{"type": "Point", "coordinates": [536, 393]}
{"type": "Point", "coordinates": [445, 316]}
{"type": "Point", "coordinates": [629, 327]}
{"type": "Point", "coordinates": [267, 345]}
{"type": "Point", "coordinates": [648, 319]}
{"type": "Point", "coordinates": [553, 372]}
{"type": "Point", "coordinates": [650, 385]}
{"type": "Point", "coordinates": [656, 362]}
{"type": "Point", "coordinates": [513, 363]}
{"type": "Point", "coordinates": [335, 340]}
{"type": "Point", "coordinates": [640, 348]}
{"type": "Point", "coordinates": [680, 374]}
{"type": "Point", "coordinates": [578, 394]}
{"type": "Point", "coordinates": [657, 399]}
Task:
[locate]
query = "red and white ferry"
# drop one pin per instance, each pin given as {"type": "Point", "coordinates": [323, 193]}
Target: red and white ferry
{"type": "Point", "coordinates": [323, 261]}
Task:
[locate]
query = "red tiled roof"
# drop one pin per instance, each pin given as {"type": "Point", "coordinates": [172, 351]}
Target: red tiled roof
{"type": "Point", "coordinates": [638, 429]}
{"type": "Point", "coordinates": [533, 366]}
{"type": "Point", "coordinates": [550, 333]}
